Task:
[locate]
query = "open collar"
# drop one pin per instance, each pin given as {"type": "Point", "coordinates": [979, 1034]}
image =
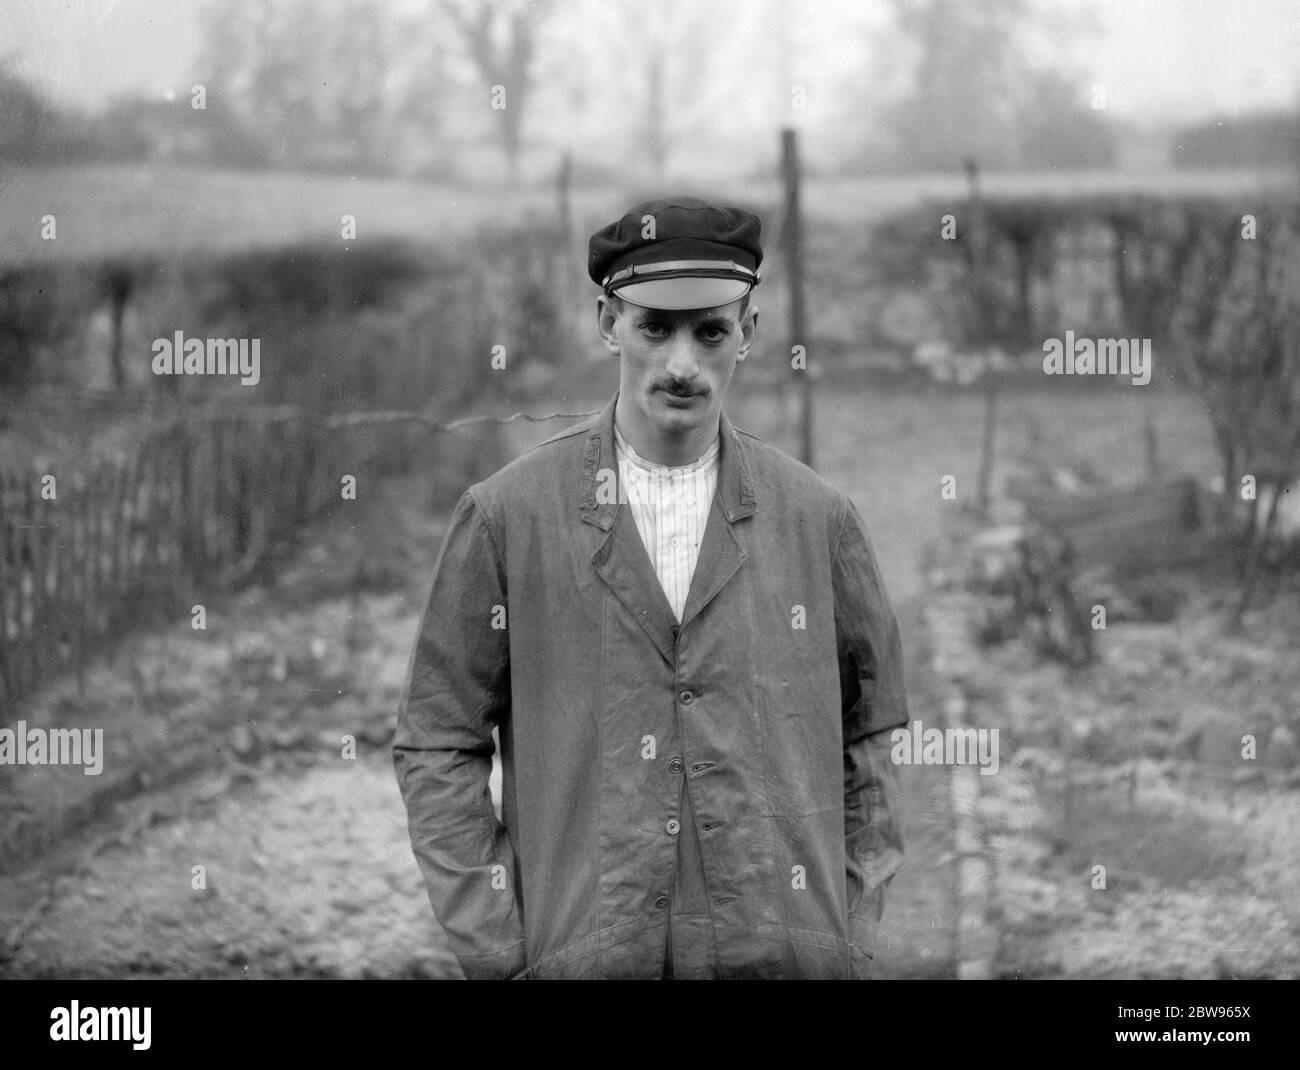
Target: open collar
{"type": "Point", "coordinates": [621, 560]}
{"type": "Point", "coordinates": [599, 496]}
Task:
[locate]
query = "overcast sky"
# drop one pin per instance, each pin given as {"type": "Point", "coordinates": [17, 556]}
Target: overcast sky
{"type": "Point", "coordinates": [1158, 59]}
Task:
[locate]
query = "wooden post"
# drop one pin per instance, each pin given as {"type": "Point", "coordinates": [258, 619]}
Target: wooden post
{"type": "Point", "coordinates": [1135, 318]}
{"type": "Point", "coordinates": [1256, 552]}
{"type": "Point", "coordinates": [977, 310]}
{"type": "Point", "coordinates": [1067, 818]}
{"type": "Point", "coordinates": [40, 602]}
{"type": "Point", "coordinates": [563, 188]}
{"type": "Point", "coordinates": [118, 283]}
{"type": "Point", "coordinates": [184, 529]}
{"type": "Point", "coordinates": [1150, 434]}
{"type": "Point", "coordinates": [567, 273]}
{"type": "Point", "coordinates": [8, 582]}
{"type": "Point", "coordinates": [80, 555]}
{"type": "Point", "coordinates": [794, 255]}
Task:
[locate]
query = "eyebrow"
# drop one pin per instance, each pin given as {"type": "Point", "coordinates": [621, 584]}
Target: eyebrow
{"type": "Point", "coordinates": [713, 322]}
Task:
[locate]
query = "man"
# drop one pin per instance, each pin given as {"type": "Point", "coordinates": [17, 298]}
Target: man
{"type": "Point", "coordinates": [683, 639]}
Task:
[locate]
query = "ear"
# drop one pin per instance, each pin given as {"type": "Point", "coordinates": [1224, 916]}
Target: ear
{"type": "Point", "coordinates": [748, 330]}
{"type": "Point", "coordinates": [606, 323]}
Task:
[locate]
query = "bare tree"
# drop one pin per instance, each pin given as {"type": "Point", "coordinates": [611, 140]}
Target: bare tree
{"type": "Point", "coordinates": [1237, 330]}
{"type": "Point", "coordinates": [959, 104]}
{"type": "Point", "coordinates": [666, 59]}
{"type": "Point", "coordinates": [974, 91]}
{"type": "Point", "coordinates": [320, 82]}
{"type": "Point", "coordinates": [501, 38]}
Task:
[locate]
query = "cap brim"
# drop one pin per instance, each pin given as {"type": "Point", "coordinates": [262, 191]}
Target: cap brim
{"type": "Point", "coordinates": [684, 292]}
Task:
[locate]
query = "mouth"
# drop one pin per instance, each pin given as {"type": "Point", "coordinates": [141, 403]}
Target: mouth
{"type": "Point", "coordinates": [679, 399]}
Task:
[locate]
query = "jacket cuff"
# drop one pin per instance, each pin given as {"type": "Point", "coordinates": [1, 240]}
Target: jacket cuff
{"type": "Point", "coordinates": [498, 966]}
{"type": "Point", "coordinates": [863, 929]}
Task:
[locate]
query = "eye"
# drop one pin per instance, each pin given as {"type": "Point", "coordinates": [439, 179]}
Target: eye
{"type": "Point", "coordinates": [654, 329]}
{"type": "Point", "coordinates": [714, 333]}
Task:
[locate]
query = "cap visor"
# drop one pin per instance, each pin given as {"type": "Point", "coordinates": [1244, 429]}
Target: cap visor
{"type": "Point", "coordinates": [684, 292]}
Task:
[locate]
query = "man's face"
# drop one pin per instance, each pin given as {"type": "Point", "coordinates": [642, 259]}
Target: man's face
{"type": "Point", "coordinates": [676, 365]}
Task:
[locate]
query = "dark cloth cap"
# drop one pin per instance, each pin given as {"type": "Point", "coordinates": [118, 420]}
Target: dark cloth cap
{"type": "Point", "coordinates": [678, 252]}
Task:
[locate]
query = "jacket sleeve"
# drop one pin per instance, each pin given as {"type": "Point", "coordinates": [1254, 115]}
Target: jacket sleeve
{"type": "Point", "coordinates": [873, 703]}
{"type": "Point", "coordinates": [457, 690]}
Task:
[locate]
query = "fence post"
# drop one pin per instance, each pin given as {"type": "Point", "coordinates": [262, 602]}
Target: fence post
{"type": "Point", "coordinates": [83, 543]}
{"type": "Point", "coordinates": [8, 683]}
{"type": "Point", "coordinates": [794, 255]}
{"type": "Point", "coordinates": [979, 308]}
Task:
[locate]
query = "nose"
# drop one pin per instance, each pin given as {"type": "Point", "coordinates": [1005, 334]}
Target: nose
{"type": "Point", "coordinates": [681, 363]}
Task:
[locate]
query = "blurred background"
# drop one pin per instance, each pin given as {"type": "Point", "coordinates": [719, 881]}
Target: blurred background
{"type": "Point", "coordinates": [393, 199]}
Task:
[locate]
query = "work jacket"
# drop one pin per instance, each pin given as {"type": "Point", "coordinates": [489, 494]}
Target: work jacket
{"type": "Point", "coordinates": [767, 708]}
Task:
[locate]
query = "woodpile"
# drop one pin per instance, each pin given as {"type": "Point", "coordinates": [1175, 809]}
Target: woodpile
{"type": "Point", "coordinates": [1038, 570]}
{"type": "Point", "coordinates": [1127, 530]}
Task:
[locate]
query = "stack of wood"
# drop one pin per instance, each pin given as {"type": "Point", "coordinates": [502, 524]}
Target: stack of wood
{"type": "Point", "coordinates": [1133, 529]}
{"type": "Point", "coordinates": [1067, 535]}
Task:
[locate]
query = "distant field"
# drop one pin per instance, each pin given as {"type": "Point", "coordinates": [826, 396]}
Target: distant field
{"type": "Point", "coordinates": [113, 210]}
{"type": "Point", "coordinates": [121, 209]}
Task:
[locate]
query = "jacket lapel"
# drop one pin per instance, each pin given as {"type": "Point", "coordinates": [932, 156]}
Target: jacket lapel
{"type": "Point", "coordinates": [621, 560]}
{"type": "Point", "coordinates": [721, 553]}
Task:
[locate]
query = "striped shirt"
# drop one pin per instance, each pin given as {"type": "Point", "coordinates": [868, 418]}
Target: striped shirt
{"type": "Point", "coordinates": [670, 507]}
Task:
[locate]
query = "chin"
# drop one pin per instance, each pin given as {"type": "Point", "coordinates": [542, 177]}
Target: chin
{"type": "Point", "coordinates": [678, 423]}
{"type": "Point", "coordinates": [672, 419]}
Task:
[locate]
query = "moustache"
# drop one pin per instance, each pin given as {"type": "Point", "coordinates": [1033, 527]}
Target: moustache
{"type": "Point", "coordinates": [679, 389]}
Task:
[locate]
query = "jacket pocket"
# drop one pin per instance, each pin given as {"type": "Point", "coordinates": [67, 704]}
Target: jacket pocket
{"type": "Point", "coordinates": [862, 946]}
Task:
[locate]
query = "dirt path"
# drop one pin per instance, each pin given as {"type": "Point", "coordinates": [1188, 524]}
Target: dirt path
{"type": "Point", "coordinates": [306, 872]}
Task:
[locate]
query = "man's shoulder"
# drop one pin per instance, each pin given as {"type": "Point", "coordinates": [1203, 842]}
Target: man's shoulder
{"type": "Point", "coordinates": [538, 468]}
{"type": "Point", "coordinates": [772, 468]}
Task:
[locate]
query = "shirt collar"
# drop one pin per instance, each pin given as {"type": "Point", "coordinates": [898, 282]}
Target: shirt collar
{"type": "Point", "coordinates": [705, 461]}
{"type": "Point", "coordinates": [597, 499]}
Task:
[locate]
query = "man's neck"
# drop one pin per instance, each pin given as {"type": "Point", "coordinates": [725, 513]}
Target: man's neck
{"type": "Point", "coordinates": [673, 451]}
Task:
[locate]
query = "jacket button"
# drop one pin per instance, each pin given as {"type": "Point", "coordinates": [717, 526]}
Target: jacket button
{"type": "Point", "coordinates": [687, 697]}
{"type": "Point", "coordinates": [674, 827]}
{"type": "Point", "coordinates": [675, 766]}
{"type": "Point", "coordinates": [661, 902]}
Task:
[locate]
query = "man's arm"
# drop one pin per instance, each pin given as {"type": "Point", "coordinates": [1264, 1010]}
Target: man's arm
{"type": "Point", "coordinates": [457, 690]}
{"type": "Point", "coordinates": [873, 703]}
